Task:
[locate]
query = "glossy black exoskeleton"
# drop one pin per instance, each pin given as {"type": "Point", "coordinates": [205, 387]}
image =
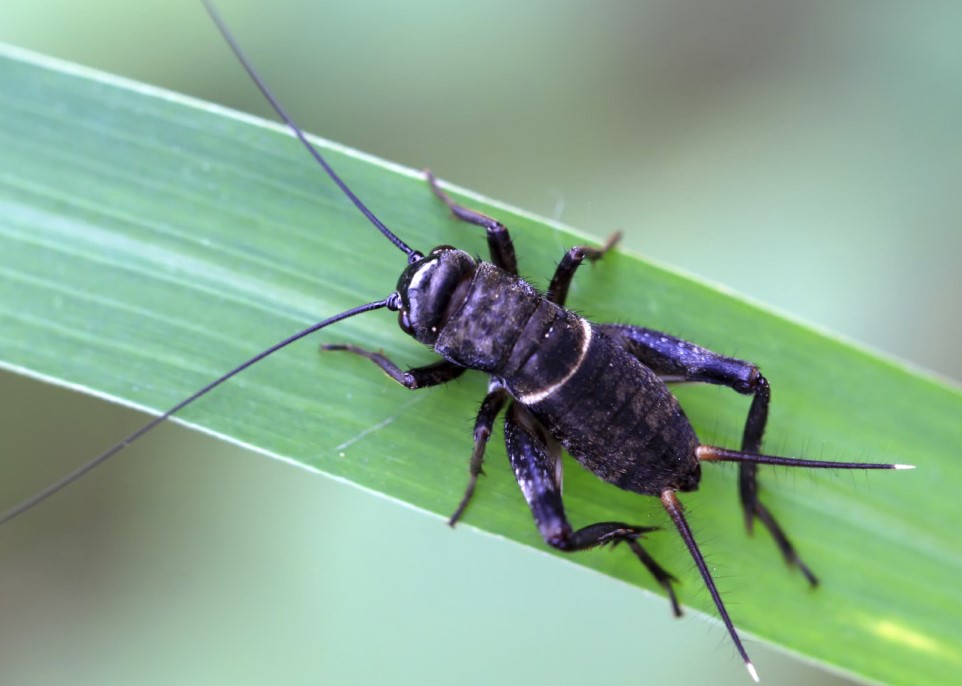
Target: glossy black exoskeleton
{"type": "Point", "coordinates": [597, 390]}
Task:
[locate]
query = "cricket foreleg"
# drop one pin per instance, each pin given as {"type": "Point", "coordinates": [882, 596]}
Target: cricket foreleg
{"type": "Point", "coordinates": [417, 377]}
{"type": "Point", "coordinates": [499, 240]}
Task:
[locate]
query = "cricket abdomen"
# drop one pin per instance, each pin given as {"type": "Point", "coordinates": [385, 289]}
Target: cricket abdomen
{"type": "Point", "coordinates": [614, 415]}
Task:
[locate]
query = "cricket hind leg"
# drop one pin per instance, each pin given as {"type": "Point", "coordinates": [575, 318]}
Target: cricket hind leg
{"type": "Point", "coordinates": [675, 359]}
{"type": "Point", "coordinates": [536, 460]}
{"type": "Point", "coordinates": [499, 240]}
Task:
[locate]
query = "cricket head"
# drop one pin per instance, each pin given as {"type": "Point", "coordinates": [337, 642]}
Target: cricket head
{"type": "Point", "coordinates": [430, 289]}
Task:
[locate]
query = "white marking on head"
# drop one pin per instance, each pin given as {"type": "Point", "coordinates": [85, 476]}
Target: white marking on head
{"type": "Point", "coordinates": [415, 283]}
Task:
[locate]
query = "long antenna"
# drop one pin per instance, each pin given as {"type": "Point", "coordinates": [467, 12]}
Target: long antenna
{"type": "Point", "coordinates": [413, 255]}
{"type": "Point", "coordinates": [38, 498]}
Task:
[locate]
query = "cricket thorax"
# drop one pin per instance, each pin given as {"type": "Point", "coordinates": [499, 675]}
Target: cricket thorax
{"type": "Point", "coordinates": [490, 321]}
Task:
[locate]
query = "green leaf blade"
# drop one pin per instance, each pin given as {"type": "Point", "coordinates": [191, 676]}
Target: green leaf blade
{"type": "Point", "coordinates": [150, 243]}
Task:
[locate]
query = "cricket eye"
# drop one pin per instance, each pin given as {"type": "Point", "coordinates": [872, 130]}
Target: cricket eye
{"type": "Point", "coordinates": [405, 323]}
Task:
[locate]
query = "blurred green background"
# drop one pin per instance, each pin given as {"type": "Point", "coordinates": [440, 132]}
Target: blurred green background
{"type": "Point", "coordinates": [807, 154]}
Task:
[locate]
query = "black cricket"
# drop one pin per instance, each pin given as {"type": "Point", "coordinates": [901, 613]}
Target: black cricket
{"type": "Point", "coordinates": [597, 390]}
